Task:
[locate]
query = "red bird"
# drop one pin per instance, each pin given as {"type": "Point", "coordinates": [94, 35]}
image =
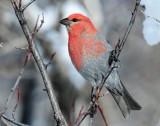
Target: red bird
{"type": "Point", "coordinates": [89, 52]}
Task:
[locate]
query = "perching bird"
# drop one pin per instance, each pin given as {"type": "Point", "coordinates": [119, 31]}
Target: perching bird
{"type": "Point", "coordinates": [89, 52]}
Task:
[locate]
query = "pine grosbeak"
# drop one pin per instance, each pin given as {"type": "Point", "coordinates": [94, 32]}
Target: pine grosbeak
{"type": "Point", "coordinates": [89, 52]}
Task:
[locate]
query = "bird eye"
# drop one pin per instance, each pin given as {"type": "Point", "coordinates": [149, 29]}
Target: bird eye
{"type": "Point", "coordinates": [74, 20]}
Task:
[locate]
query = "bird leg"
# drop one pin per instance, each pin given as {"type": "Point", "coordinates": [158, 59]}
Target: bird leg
{"type": "Point", "coordinates": [94, 98]}
{"type": "Point", "coordinates": [93, 93]}
{"type": "Point", "coordinates": [97, 96]}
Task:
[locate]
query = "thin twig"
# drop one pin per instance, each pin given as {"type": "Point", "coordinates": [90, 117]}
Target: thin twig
{"type": "Point", "coordinates": [117, 51]}
{"type": "Point", "coordinates": [150, 16]}
{"type": "Point", "coordinates": [25, 48]}
{"type": "Point", "coordinates": [82, 117]}
{"type": "Point", "coordinates": [15, 4]}
{"type": "Point", "coordinates": [51, 60]}
{"type": "Point", "coordinates": [42, 22]}
{"type": "Point", "coordinates": [120, 45]}
{"type": "Point", "coordinates": [79, 115]}
{"type": "Point", "coordinates": [22, 70]}
{"type": "Point", "coordinates": [12, 90]}
{"type": "Point", "coordinates": [129, 27]}
{"type": "Point", "coordinates": [27, 5]}
{"type": "Point", "coordinates": [20, 3]}
{"type": "Point", "coordinates": [101, 111]}
{"type": "Point", "coordinates": [6, 123]}
{"type": "Point", "coordinates": [47, 82]}
{"type": "Point", "coordinates": [12, 121]}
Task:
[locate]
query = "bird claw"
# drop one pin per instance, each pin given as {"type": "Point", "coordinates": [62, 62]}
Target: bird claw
{"type": "Point", "coordinates": [112, 57]}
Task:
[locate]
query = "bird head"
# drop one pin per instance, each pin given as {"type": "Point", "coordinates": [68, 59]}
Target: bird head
{"type": "Point", "coordinates": [78, 24]}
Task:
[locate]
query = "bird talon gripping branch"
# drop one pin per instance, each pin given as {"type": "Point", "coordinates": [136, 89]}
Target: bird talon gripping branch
{"type": "Point", "coordinates": [112, 57]}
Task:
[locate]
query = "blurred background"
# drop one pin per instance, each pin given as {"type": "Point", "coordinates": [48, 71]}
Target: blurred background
{"type": "Point", "coordinates": [140, 71]}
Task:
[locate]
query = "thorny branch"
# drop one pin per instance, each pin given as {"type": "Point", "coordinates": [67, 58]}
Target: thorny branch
{"type": "Point", "coordinates": [19, 9]}
{"type": "Point", "coordinates": [116, 54]}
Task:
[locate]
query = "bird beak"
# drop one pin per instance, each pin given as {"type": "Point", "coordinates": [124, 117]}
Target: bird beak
{"type": "Point", "coordinates": [65, 21]}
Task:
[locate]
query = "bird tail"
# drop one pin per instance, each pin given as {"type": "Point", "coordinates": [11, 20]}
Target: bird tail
{"type": "Point", "coordinates": [125, 102]}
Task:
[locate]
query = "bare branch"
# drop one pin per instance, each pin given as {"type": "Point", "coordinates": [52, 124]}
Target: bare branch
{"type": "Point", "coordinates": [42, 21]}
{"type": "Point", "coordinates": [128, 28]}
{"type": "Point", "coordinates": [33, 49]}
{"type": "Point", "coordinates": [150, 16]}
{"type": "Point", "coordinates": [12, 91]}
{"type": "Point", "coordinates": [15, 107]}
{"type": "Point", "coordinates": [120, 45]}
{"type": "Point", "coordinates": [5, 121]}
{"type": "Point", "coordinates": [12, 121]}
{"type": "Point", "coordinates": [22, 70]}
{"type": "Point", "coordinates": [20, 3]}
{"type": "Point", "coordinates": [79, 115]}
{"type": "Point", "coordinates": [100, 109]}
{"type": "Point", "coordinates": [15, 4]}
{"type": "Point", "coordinates": [27, 5]}
{"type": "Point", "coordinates": [83, 116]}
{"type": "Point", "coordinates": [51, 60]}
{"type": "Point", "coordinates": [25, 48]}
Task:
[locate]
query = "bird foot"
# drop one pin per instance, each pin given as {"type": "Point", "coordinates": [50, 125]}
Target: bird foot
{"type": "Point", "coordinates": [112, 57]}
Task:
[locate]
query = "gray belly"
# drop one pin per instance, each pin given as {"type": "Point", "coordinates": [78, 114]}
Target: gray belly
{"type": "Point", "coordinates": [93, 69]}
